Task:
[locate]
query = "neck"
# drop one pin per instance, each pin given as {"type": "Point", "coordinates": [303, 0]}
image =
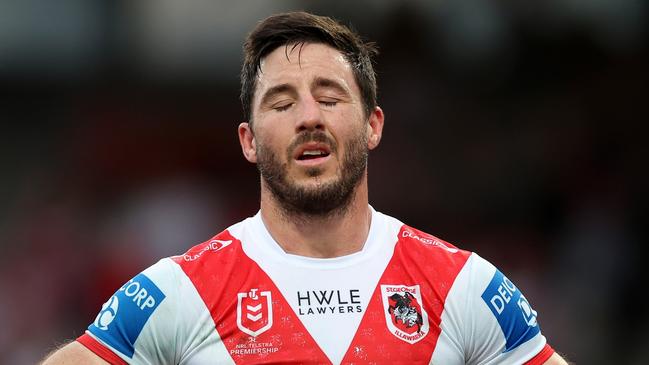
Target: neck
{"type": "Point", "coordinates": [337, 234]}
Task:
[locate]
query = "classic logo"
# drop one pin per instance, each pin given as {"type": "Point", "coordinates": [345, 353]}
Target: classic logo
{"type": "Point", "coordinates": [404, 312]}
{"type": "Point", "coordinates": [428, 240]}
{"type": "Point", "coordinates": [213, 245]}
{"type": "Point", "coordinates": [254, 312]}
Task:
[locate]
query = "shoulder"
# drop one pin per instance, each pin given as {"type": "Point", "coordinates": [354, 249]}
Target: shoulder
{"type": "Point", "coordinates": [415, 238]}
{"type": "Point", "coordinates": [214, 244]}
{"type": "Point", "coordinates": [426, 241]}
{"type": "Point", "coordinates": [220, 246]}
{"type": "Point", "coordinates": [135, 320]}
{"type": "Point", "coordinates": [421, 246]}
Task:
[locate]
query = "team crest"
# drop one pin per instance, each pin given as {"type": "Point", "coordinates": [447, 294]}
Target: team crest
{"type": "Point", "coordinates": [404, 312]}
{"type": "Point", "coordinates": [254, 312]}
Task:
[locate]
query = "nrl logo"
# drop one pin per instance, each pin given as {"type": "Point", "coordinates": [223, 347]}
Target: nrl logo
{"type": "Point", "coordinates": [254, 313]}
{"type": "Point", "coordinates": [404, 312]}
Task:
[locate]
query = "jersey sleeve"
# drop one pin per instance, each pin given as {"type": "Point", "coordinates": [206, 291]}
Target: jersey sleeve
{"type": "Point", "coordinates": [139, 323]}
{"type": "Point", "coordinates": [500, 326]}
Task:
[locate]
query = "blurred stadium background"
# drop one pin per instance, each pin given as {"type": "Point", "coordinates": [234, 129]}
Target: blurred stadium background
{"type": "Point", "coordinates": [514, 129]}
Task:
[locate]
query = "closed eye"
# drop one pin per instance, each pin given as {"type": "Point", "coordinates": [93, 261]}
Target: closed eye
{"type": "Point", "coordinates": [328, 104]}
{"type": "Point", "coordinates": [283, 107]}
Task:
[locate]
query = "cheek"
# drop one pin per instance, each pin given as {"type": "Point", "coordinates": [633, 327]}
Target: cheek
{"type": "Point", "coordinates": [271, 142]}
{"type": "Point", "coordinates": [349, 124]}
{"type": "Point", "coordinates": [358, 129]}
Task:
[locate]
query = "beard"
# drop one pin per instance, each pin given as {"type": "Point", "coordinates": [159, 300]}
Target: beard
{"type": "Point", "coordinates": [323, 198]}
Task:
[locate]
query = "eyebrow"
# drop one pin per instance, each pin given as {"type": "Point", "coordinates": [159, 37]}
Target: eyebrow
{"type": "Point", "coordinates": [329, 84]}
{"type": "Point", "coordinates": [275, 90]}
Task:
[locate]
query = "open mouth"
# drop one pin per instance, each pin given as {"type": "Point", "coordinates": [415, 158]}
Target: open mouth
{"type": "Point", "coordinates": [312, 154]}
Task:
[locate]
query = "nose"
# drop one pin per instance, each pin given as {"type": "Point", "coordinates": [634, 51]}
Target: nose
{"type": "Point", "coordinates": [310, 116]}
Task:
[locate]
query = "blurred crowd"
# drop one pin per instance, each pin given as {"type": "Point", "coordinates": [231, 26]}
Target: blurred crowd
{"type": "Point", "coordinates": [514, 130]}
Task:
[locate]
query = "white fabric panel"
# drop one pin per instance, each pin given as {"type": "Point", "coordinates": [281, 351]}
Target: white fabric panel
{"type": "Point", "coordinates": [354, 275]}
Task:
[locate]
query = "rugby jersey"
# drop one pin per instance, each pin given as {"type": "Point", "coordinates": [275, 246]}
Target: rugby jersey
{"type": "Point", "coordinates": [238, 298]}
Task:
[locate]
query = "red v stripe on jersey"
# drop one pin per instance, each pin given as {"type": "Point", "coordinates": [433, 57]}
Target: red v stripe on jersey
{"type": "Point", "coordinates": [226, 278]}
{"type": "Point", "coordinates": [222, 275]}
{"type": "Point", "coordinates": [414, 263]}
{"type": "Point", "coordinates": [401, 290]}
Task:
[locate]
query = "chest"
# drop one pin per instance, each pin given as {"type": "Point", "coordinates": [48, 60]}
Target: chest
{"type": "Point", "coordinates": [371, 312]}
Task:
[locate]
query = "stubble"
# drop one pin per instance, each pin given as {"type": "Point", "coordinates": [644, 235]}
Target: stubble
{"type": "Point", "coordinates": [321, 199]}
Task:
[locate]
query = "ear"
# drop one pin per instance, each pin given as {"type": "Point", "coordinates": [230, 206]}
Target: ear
{"type": "Point", "coordinates": [375, 128]}
{"type": "Point", "coordinates": [247, 141]}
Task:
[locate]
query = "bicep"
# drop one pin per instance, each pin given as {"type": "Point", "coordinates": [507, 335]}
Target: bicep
{"type": "Point", "coordinates": [72, 354]}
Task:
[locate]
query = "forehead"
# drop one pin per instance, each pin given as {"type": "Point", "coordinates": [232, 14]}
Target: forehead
{"type": "Point", "coordinates": [293, 63]}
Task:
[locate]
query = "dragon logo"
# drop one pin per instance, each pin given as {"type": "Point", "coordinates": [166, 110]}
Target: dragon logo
{"type": "Point", "coordinates": [404, 313]}
{"type": "Point", "coordinates": [403, 309]}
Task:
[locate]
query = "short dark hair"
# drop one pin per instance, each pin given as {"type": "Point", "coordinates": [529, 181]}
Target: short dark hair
{"type": "Point", "coordinates": [300, 27]}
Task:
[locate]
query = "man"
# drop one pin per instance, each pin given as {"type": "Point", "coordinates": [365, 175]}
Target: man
{"type": "Point", "coordinates": [317, 276]}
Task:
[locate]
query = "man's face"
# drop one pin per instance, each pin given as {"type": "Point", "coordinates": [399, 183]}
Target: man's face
{"type": "Point", "coordinates": [309, 128]}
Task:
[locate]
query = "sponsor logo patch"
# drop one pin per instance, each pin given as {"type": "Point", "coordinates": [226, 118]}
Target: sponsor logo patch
{"type": "Point", "coordinates": [107, 313]}
{"type": "Point", "coordinates": [320, 302]}
{"type": "Point", "coordinates": [254, 312]}
{"type": "Point", "coordinates": [515, 316]}
{"type": "Point", "coordinates": [123, 316]}
{"type": "Point", "coordinates": [404, 312]}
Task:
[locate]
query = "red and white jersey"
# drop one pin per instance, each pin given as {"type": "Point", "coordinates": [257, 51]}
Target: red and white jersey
{"type": "Point", "coordinates": [407, 297]}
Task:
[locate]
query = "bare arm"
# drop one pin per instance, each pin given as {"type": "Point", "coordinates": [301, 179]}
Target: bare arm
{"type": "Point", "coordinates": [73, 353]}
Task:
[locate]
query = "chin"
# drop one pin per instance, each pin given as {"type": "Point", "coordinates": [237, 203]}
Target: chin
{"type": "Point", "coordinates": [315, 179]}
{"type": "Point", "coordinates": [314, 172]}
